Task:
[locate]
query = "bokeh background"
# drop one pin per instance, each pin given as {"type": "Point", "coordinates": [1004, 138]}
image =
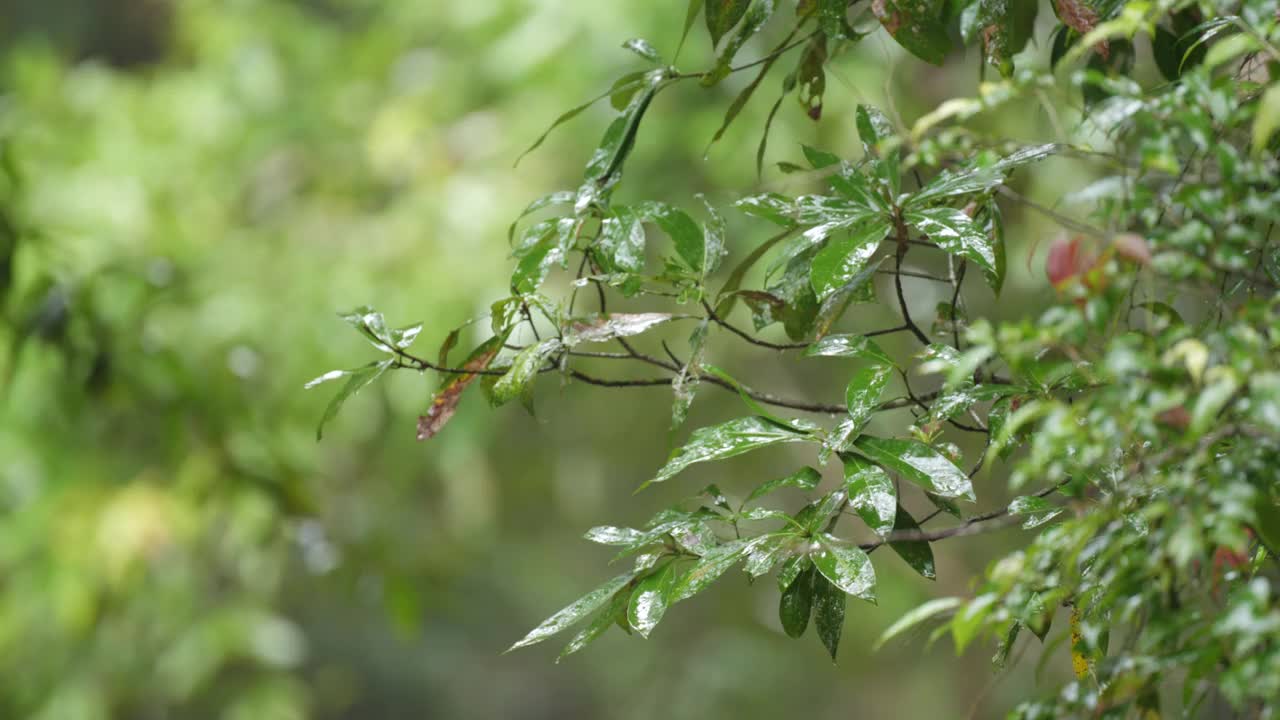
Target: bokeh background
{"type": "Point", "coordinates": [191, 189]}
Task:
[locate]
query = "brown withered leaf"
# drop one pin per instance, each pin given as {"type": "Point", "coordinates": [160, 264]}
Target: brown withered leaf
{"type": "Point", "coordinates": [446, 400]}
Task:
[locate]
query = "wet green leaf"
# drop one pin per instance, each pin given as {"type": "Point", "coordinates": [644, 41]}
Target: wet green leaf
{"type": "Point", "coordinates": [727, 440]}
{"type": "Point", "coordinates": [690, 243]}
{"type": "Point", "coordinates": [806, 478]}
{"type": "Point", "coordinates": [917, 462]}
{"type": "Point", "coordinates": [917, 25]}
{"type": "Point", "coordinates": [871, 493]}
{"type": "Point", "coordinates": [722, 16]}
{"type": "Point", "coordinates": [846, 566]}
{"type": "Point", "coordinates": [845, 257]}
{"type": "Point", "coordinates": [956, 233]}
{"type": "Point", "coordinates": [599, 328]}
{"type": "Point", "coordinates": [828, 613]}
{"type": "Point", "coordinates": [849, 346]}
{"type": "Point", "coordinates": [815, 515]}
{"type": "Point", "coordinates": [650, 599]}
{"type": "Point", "coordinates": [357, 380]}
{"type": "Point", "coordinates": [916, 553]}
{"type": "Point", "coordinates": [873, 127]}
{"type": "Point", "coordinates": [524, 368]}
{"type": "Point", "coordinates": [621, 245]}
{"type": "Point", "coordinates": [708, 568]}
{"type": "Point", "coordinates": [1038, 510]}
{"type": "Point", "coordinates": [612, 613]}
{"type": "Point", "coordinates": [608, 535]}
{"type": "Point", "coordinates": [865, 388]}
{"type": "Point", "coordinates": [641, 47]}
{"type": "Point", "coordinates": [796, 603]}
{"type": "Point", "coordinates": [574, 612]}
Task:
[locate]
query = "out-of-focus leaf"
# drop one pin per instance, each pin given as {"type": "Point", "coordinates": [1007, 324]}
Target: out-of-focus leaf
{"type": "Point", "coordinates": [722, 15]}
{"type": "Point", "coordinates": [796, 603]}
{"type": "Point", "coordinates": [562, 197]}
{"type": "Point", "coordinates": [727, 440]}
{"type": "Point", "coordinates": [846, 566]}
{"type": "Point", "coordinates": [641, 47]}
{"type": "Point", "coordinates": [811, 76]}
{"type": "Point", "coordinates": [871, 493]}
{"type": "Point", "coordinates": [357, 380]}
{"type": "Point", "coordinates": [918, 463]}
{"type": "Point", "coordinates": [445, 402]}
{"type": "Point", "coordinates": [828, 613]}
{"type": "Point", "coordinates": [756, 16]}
{"type": "Point", "coordinates": [931, 609]}
{"type": "Point", "coordinates": [608, 535]}
{"type": "Point", "coordinates": [916, 553]}
{"type": "Point", "coordinates": [574, 612]}
{"type": "Point", "coordinates": [685, 384]}
{"type": "Point", "coordinates": [1037, 510]}
{"type": "Point", "coordinates": [691, 14]}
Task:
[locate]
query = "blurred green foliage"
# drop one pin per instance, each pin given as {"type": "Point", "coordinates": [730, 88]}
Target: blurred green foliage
{"type": "Point", "coordinates": [191, 190]}
{"type": "Point", "coordinates": [173, 541]}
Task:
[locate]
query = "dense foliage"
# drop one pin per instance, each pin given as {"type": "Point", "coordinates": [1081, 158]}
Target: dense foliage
{"type": "Point", "coordinates": [1137, 421]}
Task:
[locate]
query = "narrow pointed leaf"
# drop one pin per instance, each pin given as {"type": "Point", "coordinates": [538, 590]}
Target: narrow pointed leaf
{"type": "Point", "coordinates": [806, 478]}
{"type": "Point", "coordinates": [602, 622]}
{"type": "Point", "coordinates": [828, 613]}
{"type": "Point", "coordinates": [357, 380]}
{"type": "Point", "coordinates": [600, 328]}
{"type": "Point", "coordinates": [445, 402]}
{"type": "Point", "coordinates": [722, 15]}
{"type": "Point", "coordinates": [574, 612]}
{"type": "Point", "coordinates": [727, 440]}
{"type": "Point", "coordinates": [641, 47]}
{"type": "Point", "coordinates": [708, 568]}
{"type": "Point", "coordinates": [856, 346]}
{"type": "Point", "coordinates": [931, 609]}
{"type": "Point", "coordinates": [916, 553]}
{"type": "Point", "coordinates": [796, 603]}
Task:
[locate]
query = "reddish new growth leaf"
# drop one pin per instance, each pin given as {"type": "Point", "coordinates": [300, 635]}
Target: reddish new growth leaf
{"type": "Point", "coordinates": [1068, 260]}
{"type": "Point", "coordinates": [445, 403]}
{"type": "Point", "coordinates": [1083, 19]}
{"type": "Point", "coordinates": [1175, 417]}
{"type": "Point", "coordinates": [1132, 247]}
{"type": "Point", "coordinates": [892, 21]}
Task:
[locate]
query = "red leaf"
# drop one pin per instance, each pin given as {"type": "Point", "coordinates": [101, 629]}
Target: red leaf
{"type": "Point", "coordinates": [445, 403]}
